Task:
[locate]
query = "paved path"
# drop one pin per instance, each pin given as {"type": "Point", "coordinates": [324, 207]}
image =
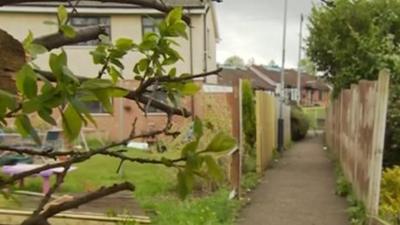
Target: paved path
{"type": "Point", "coordinates": [299, 190]}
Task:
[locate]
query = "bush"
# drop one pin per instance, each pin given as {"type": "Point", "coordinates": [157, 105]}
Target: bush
{"type": "Point", "coordinates": [249, 114]}
{"type": "Point", "coordinates": [299, 123]}
{"type": "Point", "coordinates": [390, 195]}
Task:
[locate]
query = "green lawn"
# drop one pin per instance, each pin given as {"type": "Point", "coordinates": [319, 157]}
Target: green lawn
{"type": "Point", "coordinates": [154, 190]}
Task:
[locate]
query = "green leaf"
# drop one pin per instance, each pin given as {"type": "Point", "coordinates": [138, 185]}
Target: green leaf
{"type": "Point", "coordinates": [114, 74]}
{"type": "Point", "coordinates": [124, 44]}
{"type": "Point", "coordinates": [189, 148]}
{"type": "Point", "coordinates": [26, 81]}
{"type": "Point", "coordinates": [197, 128]}
{"type": "Point", "coordinates": [99, 55]}
{"type": "Point", "coordinates": [174, 16]}
{"type": "Point", "coordinates": [221, 142]}
{"type": "Point", "coordinates": [189, 89]}
{"type": "Point", "coordinates": [31, 106]}
{"type": "Point", "coordinates": [7, 100]}
{"type": "Point", "coordinates": [24, 127]}
{"type": "Point", "coordinates": [117, 63]}
{"type": "Point", "coordinates": [105, 39]}
{"type": "Point", "coordinates": [116, 53]}
{"type": "Point", "coordinates": [67, 72]}
{"type": "Point", "coordinates": [214, 170]}
{"type": "Point", "coordinates": [45, 114]}
{"type": "Point", "coordinates": [95, 84]}
{"type": "Point", "coordinates": [143, 64]}
{"type": "Point", "coordinates": [28, 40]}
{"type": "Point", "coordinates": [172, 72]}
{"type": "Point", "coordinates": [185, 183]}
{"type": "Point", "coordinates": [169, 61]}
{"type": "Point", "coordinates": [149, 42]}
{"type": "Point", "coordinates": [62, 15]}
{"type": "Point", "coordinates": [32, 48]}
{"type": "Point", "coordinates": [105, 100]}
{"type": "Point", "coordinates": [117, 92]}
{"type": "Point", "coordinates": [178, 30]}
{"type": "Point", "coordinates": [68, 31]}
{"type": "Point", "coordinates": [72, 123]}
{"type": "Point", "coordinates": [82, 108]}
{"type": "Point", "coordinates": [36, 49]}
{"type": "Point", "coordinates": [57, 62]}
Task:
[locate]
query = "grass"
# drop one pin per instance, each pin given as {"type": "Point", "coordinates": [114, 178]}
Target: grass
{"type": "Point", "coordinates": [155, 190]}
{"type": "Point", "coordinates": [356, 210]}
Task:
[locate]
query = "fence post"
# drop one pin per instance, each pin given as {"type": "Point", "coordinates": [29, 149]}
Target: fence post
{"type": "Point", "coordinates": [375, 171]}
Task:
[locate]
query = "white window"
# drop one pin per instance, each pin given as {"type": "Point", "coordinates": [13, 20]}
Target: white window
{"type": "Point", "coordinates": [79, 22]}
{"type": "Point", "coordinates": [150, 24]}
{"type": "Point", "coordinates": [160, 96]}
{"type": "Point", "coordinates": [95, 107]}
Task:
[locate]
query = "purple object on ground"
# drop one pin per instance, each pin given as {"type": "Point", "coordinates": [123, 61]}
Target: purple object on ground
{"type": "Point", "coordinates": [20, 168]}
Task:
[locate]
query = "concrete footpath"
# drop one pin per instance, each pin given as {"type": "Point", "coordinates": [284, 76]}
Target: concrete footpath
{"type": "Point", "coordinates": [298, 190]}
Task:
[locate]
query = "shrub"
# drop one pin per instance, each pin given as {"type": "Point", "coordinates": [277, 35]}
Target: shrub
{"type": "Point", "coordinates": [390, 195]}
{"type": "Point", "coordinates": [249, 115]}
{"type": "Point", "coordinates": [299, 123]}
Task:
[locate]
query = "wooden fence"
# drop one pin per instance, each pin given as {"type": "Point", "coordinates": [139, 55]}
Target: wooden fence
{"type": "Point", "coordinates": [267, 113]}
{"type": "Point", "coordinates": [355, 131]}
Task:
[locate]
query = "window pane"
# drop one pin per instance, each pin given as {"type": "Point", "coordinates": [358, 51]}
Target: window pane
{"type": "Point", "coordinates": [95, 107]}
{"type": "Point", "coordinates": [147, 21]}
{"type": "Point", "coordinates": [150, 24]}
{"type": "Point", "coordinates": [160, 96]}
{"type": "Point", "coordinates": [84, 21]}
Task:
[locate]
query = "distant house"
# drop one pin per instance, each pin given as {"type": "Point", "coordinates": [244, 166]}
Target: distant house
{"type": "Point", "coordinates": [229, 76]}
{"type": "Point", "coordinates": [313, 90]}
{"type": "Point", "coordinates": [121, 20]}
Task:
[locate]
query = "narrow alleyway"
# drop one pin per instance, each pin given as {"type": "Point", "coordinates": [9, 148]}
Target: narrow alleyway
{"type": "Point", "coordinates": [299, 190]}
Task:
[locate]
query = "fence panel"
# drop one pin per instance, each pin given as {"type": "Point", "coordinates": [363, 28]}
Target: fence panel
{"type": "Point", "coordinates": [266, 129]}
{"type": "Point", "coordinates": [355, 131]}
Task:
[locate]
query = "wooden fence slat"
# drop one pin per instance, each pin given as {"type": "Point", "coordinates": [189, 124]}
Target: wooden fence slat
{"type": "Point", "coordinates": [356, 133]}
{"type": "Point", "coordinates": [378, 142]}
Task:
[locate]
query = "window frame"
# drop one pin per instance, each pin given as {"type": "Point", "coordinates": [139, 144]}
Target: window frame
{"type": "Point", "coordinates": [153, 27]}
{"type": "Point", "coordinates": [153, 111]}
{"type": "Point", "coordinates": [101, 20]}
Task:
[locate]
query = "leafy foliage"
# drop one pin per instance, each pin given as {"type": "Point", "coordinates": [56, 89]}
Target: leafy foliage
{"type": "Point", "coordinates": [299, 123]}
{"type": "Point", "coordinates": [390, 196]}
{"type": "Point", "coordinates": [202, 162]}
{"type": "Point", "coordinates": [355, 40]}
{"type": "Point", "coordinates": [68, 94]}
{"type": "Point", "coordinates": [234, 61]}
{"type": "Point", "coordinates": [356, 210]}
{"type": "Point", "coordinates": [249, 114]}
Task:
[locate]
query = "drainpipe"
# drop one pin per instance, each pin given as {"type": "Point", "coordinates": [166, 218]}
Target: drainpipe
{"type": "Point", "coordinates": [205, 68]}
{"type": "Point", "coordinates": [192, 98]}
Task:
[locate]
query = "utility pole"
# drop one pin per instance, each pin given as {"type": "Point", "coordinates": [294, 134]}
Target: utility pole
{"type": "Point", "coordinates": [281, 121]}
{"type": "Point", "coordinates": [299, 66]}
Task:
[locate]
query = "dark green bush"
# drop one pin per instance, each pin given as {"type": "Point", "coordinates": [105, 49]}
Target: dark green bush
{"type": "Point", "coordinates": [299, 123]}
{"type": "Point", "coordinates": [249, 113]}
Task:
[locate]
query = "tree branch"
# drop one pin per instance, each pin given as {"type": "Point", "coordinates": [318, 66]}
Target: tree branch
{"type": "Point", "coordinates": [57, 40]}
{"type": "Point", "coordinates": [57, 184]}
{"type": "Point", "coordinates": [138, 95]}
{"type": "Point", "coordinates": [42, 152]}
{"type": "Point", "coordinates": [75, 203]}
{"type": "Point", "coordinates": [77, 158]}
{"type": "Point", "coordinates": [154, 4]}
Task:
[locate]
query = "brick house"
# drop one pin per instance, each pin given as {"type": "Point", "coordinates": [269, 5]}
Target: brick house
{"type": "Point", "coordinates": [313, 90]}
{"type": "Point", "coordinates": [122, 20]}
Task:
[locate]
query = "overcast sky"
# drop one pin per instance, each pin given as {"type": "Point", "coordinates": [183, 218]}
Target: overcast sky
{"type": "Point", "coordinates": [253, 29]}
